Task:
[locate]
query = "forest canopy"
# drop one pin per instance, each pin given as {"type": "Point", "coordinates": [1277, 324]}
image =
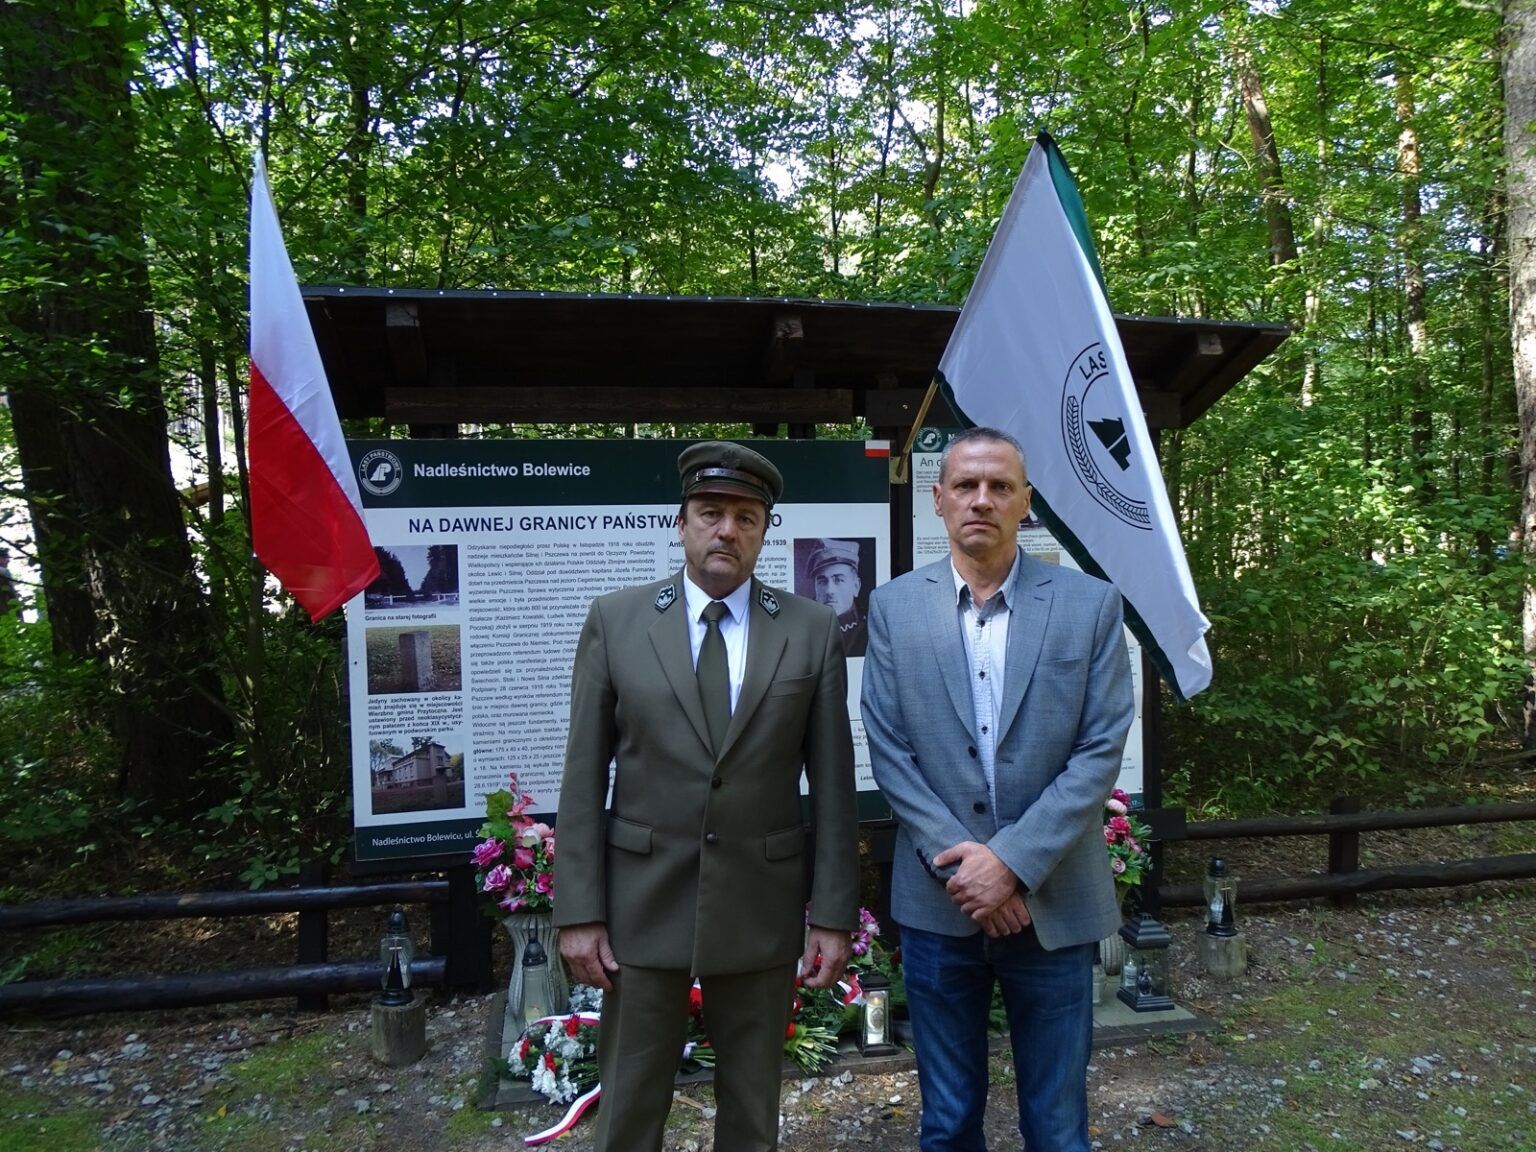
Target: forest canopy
{"type": "Point", "coordinates": [1352, 512]}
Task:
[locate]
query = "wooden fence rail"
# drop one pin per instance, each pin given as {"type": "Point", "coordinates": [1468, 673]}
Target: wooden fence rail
{"type": "Point", "coordinates": [1357, 821]}
{"type": "Point", "coordinates": [135, 993]}
{"type": "Point", "coordinates": [172, 906]}
{"type": "Point", "coordinates": [459, 956]}
{"type": "Point", "coordinates": [1345, 879]}
{"type": "Point", "coordinates": [460, 948]}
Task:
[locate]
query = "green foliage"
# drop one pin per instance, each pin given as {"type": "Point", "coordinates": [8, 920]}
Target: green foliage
{"type": "Point", "coordinates": [1366, 634]}
{"type": "Point", "coordinates": [30, 812]}
{"type": "Point", "coordinates": [50, 708]}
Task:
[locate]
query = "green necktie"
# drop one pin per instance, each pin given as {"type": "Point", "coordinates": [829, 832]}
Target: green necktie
{"type": "Point", "coordinates": [714, 676]}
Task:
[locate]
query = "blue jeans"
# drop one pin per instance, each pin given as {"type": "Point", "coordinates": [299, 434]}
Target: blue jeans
{"type": "Point", "coordinates": [1049, 1002]}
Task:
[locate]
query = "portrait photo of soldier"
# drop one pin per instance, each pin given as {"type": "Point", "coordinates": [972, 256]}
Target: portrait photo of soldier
{"type": "Point", "coordinates": [840, 574]}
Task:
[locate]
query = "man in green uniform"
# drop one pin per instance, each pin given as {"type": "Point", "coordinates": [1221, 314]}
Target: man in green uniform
{"type": "Point", "coordinates": [710, 693]}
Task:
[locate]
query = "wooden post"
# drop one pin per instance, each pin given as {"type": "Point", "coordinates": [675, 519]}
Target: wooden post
{"type": "Point", "coordinates": [314, 932]}
{"type": "Point", "coordinates": [1343, 848]}
{"type": "Point", "coordinates": [1223, 957]}
{"type": "Point", "coordinates": [804, 378]}
{"type": "Point", "coordinates": [398, 1035]}
{"type": "Point", "coordinates": [463, 934]}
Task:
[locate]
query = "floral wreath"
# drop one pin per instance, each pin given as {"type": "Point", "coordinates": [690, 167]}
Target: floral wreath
{"type": "Point", "coordinates": [558, 1054]}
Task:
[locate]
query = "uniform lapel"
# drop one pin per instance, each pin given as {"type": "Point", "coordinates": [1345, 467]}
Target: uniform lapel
{"type": "Point", "coordinates": [948, 646]}
{"type": "Point", "coordinates": [669, 636]}
{"type": "Point", "coordinates": [1026, 632]}
{"type": "Point", "coordinates": [765, 646]}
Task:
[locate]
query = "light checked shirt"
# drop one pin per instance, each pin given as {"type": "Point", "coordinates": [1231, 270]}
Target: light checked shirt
{"type": "Point", "coordinates": [984, 628]}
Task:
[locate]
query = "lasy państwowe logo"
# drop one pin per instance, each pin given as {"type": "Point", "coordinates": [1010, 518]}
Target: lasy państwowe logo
{"type": "Point", "coordinates": [1095, 428]}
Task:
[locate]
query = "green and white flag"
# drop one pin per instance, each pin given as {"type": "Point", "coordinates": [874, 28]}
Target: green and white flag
{"type": "Point", "coordinates": [1036, 353]}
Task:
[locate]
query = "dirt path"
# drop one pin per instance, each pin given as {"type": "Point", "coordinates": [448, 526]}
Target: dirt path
{"type": "Point", "coordinates": [1407, 1022]}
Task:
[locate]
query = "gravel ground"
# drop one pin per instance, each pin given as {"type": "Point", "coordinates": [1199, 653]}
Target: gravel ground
{"type": "Point", "coordinates": [1407, 1022]}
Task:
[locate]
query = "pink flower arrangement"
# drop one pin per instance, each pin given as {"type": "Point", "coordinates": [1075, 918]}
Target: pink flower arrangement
{"type": "Point", "coordinates": [864, 934]}
{"type": "Point", "coordinates": [1124, 836]}
{"type": "Point", "coordinates": [516, 858]}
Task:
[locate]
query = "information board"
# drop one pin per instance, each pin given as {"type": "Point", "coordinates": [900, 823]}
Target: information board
{"type": "Point", "coordinates": [459, 655]}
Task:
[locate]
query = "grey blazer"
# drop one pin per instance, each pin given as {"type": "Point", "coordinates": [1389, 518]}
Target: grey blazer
{"type": "Point", "coordinates": [1067, 706]}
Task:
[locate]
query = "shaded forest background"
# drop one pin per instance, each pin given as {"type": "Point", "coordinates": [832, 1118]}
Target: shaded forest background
{"type": "Point", "coordinates": [1352, 512]}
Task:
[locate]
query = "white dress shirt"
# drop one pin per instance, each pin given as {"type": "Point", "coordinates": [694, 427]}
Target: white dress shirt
{"type": "Point", "coordinates": [733, 628]}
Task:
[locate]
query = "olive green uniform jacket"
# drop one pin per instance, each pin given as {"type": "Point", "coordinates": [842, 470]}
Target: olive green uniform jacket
{"type": "Point", "coordinates": [701, 864]}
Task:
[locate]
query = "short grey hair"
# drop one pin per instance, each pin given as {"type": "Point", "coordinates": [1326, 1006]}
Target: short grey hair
{"type": "Point", "coordinates": [983, 433]}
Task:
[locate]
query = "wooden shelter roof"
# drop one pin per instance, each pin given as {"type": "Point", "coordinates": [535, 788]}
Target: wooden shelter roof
{"type": "Point", "coordinates": [425, 357]}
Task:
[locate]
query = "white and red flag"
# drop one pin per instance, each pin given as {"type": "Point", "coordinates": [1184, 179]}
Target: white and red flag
{"type": "Point", "coordinates": [306, 516]}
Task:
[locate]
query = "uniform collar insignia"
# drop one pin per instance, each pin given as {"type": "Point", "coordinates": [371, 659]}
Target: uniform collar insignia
{"type": "Point", "coordinates": [769, 602]}
{"type": "Point", "coordinates": [665, 598]}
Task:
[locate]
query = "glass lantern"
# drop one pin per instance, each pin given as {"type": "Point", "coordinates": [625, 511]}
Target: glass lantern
{"type": "Point", "coordinates": [538, 992]}
{"type": "Point", "coordinates": [1220, 899]}
{"type": "Point", "coordinates": [1144, 981]}
{"type": "Point", "coordinates": [875, 1017]}
{"type": "Point", "coordinates": [396, 951]}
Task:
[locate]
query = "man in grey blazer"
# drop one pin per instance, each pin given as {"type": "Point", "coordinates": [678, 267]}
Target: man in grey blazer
{"type": "Point", "coordinates": [709, 692]}
{"type": "Point", "coordinates": [996, 700]}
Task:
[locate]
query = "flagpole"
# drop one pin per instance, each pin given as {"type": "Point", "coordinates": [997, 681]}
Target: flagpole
{"type": "Point", "coordinates": [899, 468]}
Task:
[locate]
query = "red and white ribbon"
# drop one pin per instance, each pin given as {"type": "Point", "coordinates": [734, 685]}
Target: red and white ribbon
{"type": "Point", "coordinates": [579, 1106]}
{"type": "Point", "coordinates": [574, 1113]}
{"type": "Point", "coordinates": [584, 1017]}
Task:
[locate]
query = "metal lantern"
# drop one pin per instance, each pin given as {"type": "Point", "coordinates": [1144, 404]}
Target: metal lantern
{"type": "Point", "coordinates": [1144, 981]}
{"type": "Point", "coordinates": [538, 993]}
{"type": "Point", "coordinates": [1220, 899]}
{"type": "Point", "coordinates": [875, 1017]}
{"type": "Point", "coordinates": [396, 951]}
{"type": "Point", "coordinates": [1223, 952]}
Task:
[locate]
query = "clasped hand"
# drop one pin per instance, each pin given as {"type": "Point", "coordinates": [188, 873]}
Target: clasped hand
{"type": "Point", "coordinates": [984, 888]}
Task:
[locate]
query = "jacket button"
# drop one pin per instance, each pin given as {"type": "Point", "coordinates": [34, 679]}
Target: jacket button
{"type": "Point", "coordinates": [972, 751]}
{"type": "Point", "coordinates": [978, 807]}
{"type": "Point", "coordinates": [716, 782]}
{"type": "Point", "coordinates": [711, 837]}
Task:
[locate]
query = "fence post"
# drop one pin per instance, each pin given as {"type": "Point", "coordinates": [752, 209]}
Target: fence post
{"type": "Point", "coordinates": [1343, 848]}
{"type": "Point", "coordinates": [461, 933]}
{"type": "Point", "coordinates": [314, 932]}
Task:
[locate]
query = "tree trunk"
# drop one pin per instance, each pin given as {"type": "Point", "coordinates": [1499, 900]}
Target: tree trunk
{"type": "Point", "coordinates": [1520, 191]}
{"type": "Point", "coordinates": [1277, 212]}
{"type": "Point", "coordinates": [1312, 307]}
{"type": "Point", "coordinates": [1408, 167]}
{"type": "Point", "coordinates": [1134, 175]}
{"type": "Point", "coordinates": [86, 402]}
{"type": "Point", "coordinates": [356, 34]}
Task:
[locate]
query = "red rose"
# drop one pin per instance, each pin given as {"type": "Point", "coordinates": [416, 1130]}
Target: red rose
{"type": "Point", "coordinates": [549, 1061]}
{"type": "Point", "coordinates": [572, 1025]}
{"type": "Point", "coordinates": [790, 1031]}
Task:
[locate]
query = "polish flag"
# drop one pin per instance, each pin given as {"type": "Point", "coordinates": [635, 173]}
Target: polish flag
{"type": "Point", "coordinates": [306, 516]}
